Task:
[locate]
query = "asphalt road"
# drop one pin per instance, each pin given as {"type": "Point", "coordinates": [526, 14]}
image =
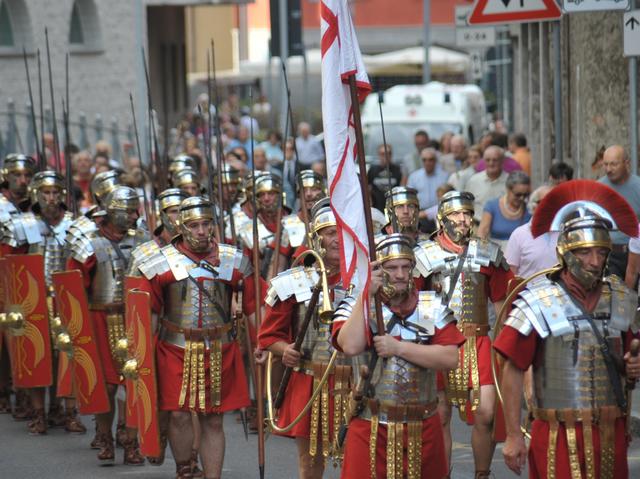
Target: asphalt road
{"type": "Point", "coordinates": [62, 456]}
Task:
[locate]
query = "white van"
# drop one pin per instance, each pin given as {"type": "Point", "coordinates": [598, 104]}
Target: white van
{"type": "Point", "coordinates": [435, 107]}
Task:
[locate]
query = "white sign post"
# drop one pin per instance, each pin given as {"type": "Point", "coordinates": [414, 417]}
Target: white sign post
{"type": "Point", "coordinates": [575, 6]}
{"type": "Point", "coordinates": [475, 37]}
{"type": "Point", "coordinates": [631, 27]}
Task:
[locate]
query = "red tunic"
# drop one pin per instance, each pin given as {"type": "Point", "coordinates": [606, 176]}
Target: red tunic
{"type": "Point", "coordinates": [524, 351]}
{"type": "Point", "coordinates": [234, 390]}
{"type": "Point", "coordinates": [356, 453]}
{"type": "Point", "coordinates": [279, 325]}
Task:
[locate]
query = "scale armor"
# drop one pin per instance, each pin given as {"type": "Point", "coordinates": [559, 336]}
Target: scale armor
{"type": "Point", "coordinates": [184, 305]}
{"type": "Point", "coordinates": [30, 229]}
{"type": "Point", "coordinates": [572, 373]}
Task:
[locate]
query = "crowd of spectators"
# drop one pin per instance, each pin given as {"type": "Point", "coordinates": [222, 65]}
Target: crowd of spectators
{"type": "Point", "coordinates": [496, 171]}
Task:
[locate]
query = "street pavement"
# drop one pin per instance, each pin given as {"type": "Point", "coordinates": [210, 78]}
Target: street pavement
{"type": "Point", "coordinates": [62, 456]}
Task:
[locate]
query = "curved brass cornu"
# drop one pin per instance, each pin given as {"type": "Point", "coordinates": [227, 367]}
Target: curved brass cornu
{"type": "Point", "coordinates": [498, 327]}
{"type": "Point", "coordinates": [326, 310]}
{"type": "Point", "coordinates": [305, 409]}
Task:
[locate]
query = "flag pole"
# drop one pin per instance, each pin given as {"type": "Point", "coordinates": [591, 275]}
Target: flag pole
{"type": "Point", "coordinates": [364, 187]}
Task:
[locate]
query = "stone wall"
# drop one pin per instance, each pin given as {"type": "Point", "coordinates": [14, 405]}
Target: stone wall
{"type": "Point", "coordinates": [100, 77]}
{"type": "Point", "coordinates": [595, 89]}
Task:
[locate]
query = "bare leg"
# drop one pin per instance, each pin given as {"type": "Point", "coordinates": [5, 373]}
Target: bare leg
{"type": "Point", "coordinates": [308, 467]}
{"type": "Point", "coordinates": [37, 397]}
{"type": "Point", "coordinates": [197, 440]}
{"type": "Point", "coordinates": [212, 445]}
{"type": "Point", "coordinates": [481, 435]}
{"type": "Point", "coordinates": [122, 411]}
{"type": "Point", "coordinates": [444, 411]}
{"type": "Point", "coordinates": [181, 435]}
{"type": "Point", "coordinates": [104, 421]}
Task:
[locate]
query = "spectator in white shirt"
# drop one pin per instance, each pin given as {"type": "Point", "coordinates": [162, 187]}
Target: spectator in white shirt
{"type": "Point", "coordinates": [426, 180]}
{"type": "Point", "coordinates": [491, 182]}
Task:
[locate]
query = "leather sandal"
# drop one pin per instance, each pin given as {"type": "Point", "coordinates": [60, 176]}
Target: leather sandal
{"type": "Point", "coordinates": [38, 425]}
{"type": "Point", "coordinates": [57, 417]}
{"type": "Point", "coordinates": [183, 470]}
{"type": "Point", "coordinates": [96, 443]}
{"type": "Point", "coordinates": [5, 401]}
{"type": "Point", "coordinates": [159, 460]}
{"type": "Point", "coordinates": [22, 410]}
{"type": "Point", "coordinates": [121, 435]}
{"type": "Point", "coordinates": [107, 453]}
{"type": "Point", "coordinates": [195, 469]}
{"type": "Point", "coordinates": [132, 456]}
{"type": "Point", "coordinates": [483, 474]}
{"type": "Point", "coordinates": [73, 424]}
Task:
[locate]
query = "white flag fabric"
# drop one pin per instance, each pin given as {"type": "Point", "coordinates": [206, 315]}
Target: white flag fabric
{"type": "Point", "coordinates": [340, 59]}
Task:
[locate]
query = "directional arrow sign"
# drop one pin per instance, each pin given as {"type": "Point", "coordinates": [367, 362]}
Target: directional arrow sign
{"type": "Point", "coordinates": [631, 26]}
{"type": "Point", "coordinates": [512, 11]}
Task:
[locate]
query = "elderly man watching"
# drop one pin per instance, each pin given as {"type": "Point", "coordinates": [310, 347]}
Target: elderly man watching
{"type": "Point", "coordinates": [456, 158]}
{"type": "Point", "coordinates": [618, 176]}
{"type": "Point", "coordinates": [426, 180]}
{"type": "Point", "coordinates": [491, 182]}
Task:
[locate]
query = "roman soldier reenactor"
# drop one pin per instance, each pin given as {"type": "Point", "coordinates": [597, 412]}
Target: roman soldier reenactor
{"type": "Point", "coordinates": [268, 190]}
{"type": "Point", "coordinates": [402, 208]}
{"type": "Point", "coordinates": [395, 430]}
{"type": "Point", "coordinates": [290, 295]}
{"type": "Point", "coordinates": [17, 172]}
{"type": "Point", "coordinates": [467, 273]}
{"type": "Point", "coordinates": [167, 229]}
{"type": "Point", "coordinates": [201, 370]}
{"type": "Point", "coordinates": [314, 188]}
{"type": "Point", "coordinates": [42, 231]}
{"type": "Point", "coordinates": [103, 257]}
{"type": "Point", "coordinates": [573, 327]}
{"type": "Point", "coordinates": [101, 185]}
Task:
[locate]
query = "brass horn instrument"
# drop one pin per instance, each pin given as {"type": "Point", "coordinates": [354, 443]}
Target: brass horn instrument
{"type": "Point", "coordinates": [326, 310]}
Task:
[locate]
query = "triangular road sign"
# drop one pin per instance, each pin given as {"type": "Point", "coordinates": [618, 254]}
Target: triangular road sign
{"type": "Point", "coordinates": [512, 11]}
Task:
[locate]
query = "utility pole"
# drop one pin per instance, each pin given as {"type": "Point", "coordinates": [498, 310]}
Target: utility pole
{"type": "Point", "coordinates": [426, 40]}
{"type": "Point", "coordinates": [284, 55]}
{"type": "Point", "coordinates": [633, 106]}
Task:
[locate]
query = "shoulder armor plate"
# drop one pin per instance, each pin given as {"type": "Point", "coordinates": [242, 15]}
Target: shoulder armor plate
{"type": "Point", "coordinates": [141, 254]}
{"type": "Point", "coordinates": [298, 282]}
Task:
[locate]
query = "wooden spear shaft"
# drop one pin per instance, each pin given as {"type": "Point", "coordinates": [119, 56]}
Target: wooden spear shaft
{"type": "Point", "coordinates": [355, 105]}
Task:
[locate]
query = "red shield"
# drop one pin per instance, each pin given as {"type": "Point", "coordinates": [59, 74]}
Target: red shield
{"type": "Point", "coordinates": [64, 383]}
{"type": "Point", "coordinates": [28, 321]}
{"type": "Point", "coordinates": [88, 375]}
{"type": "Point", "coordinates": [140, 371]}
